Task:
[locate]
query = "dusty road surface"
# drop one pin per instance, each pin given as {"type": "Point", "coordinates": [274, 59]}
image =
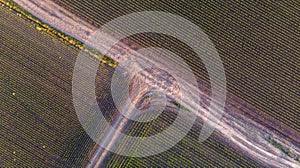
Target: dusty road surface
{"type": "Point", "coordinates": [244, 127]}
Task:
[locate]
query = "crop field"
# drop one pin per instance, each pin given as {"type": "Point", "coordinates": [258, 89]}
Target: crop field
{"type": "Point", "coordinates": [39, 127]}
{"type": "Point", "coordinates": [188, 152]}
{"type": "Point", "coordinates": [256, 43]}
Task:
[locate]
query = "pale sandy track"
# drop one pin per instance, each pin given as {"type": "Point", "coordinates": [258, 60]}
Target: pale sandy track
{"type": "Point", "coordinates": [240, 131]}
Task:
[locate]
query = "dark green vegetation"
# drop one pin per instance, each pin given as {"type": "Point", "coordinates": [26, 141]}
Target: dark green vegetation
{"type": "Point", "coordinates": [39, 127]}
{"type": "Point", "coordinates": [180, 106]}
{"type": "Point", "coordinates": [282, 148]}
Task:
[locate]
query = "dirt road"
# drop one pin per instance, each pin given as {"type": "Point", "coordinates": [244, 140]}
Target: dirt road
{"type": "Point", "coordinates": [243, 126]}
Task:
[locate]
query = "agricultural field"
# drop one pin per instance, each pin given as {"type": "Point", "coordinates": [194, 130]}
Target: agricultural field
{"type": "Point", "coordinates": [39, 127]}
{"type": "Point", "coordinates": [190, 153]}
{"type": "Point", "coordinates": [214, 152]}
{"type": "Point", "coordinates": [256, 42]}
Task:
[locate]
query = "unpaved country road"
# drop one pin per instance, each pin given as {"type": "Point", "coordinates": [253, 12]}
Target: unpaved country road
{"type": "Point", "coordinates": [247, 135]}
